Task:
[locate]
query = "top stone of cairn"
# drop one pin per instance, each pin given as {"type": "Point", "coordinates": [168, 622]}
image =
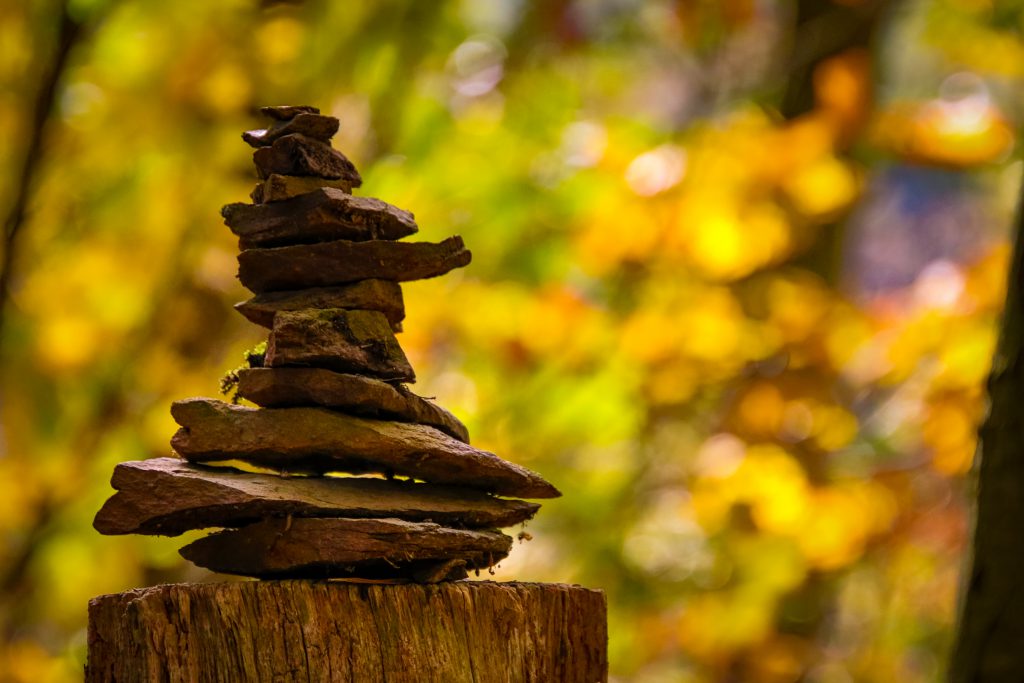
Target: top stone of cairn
{"type": "Point", "coordinates": [289, 120]}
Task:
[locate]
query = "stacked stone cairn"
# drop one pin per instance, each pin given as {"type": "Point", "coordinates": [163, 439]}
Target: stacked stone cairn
{"type": "Point", "coordinates": [325, 266]}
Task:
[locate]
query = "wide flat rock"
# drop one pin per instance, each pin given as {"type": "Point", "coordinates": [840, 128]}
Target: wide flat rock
{"type": "Point", "coordinates": [328, 548]}
{"type": "Point", "coordinates": [167, 496]}
{"type": "Point", "coordinates": [367, 295]}
{"type": "Point", "coordinates": [300, 120]}
{"type": "Point", "coordinates": [322, 215]}
{"type": "Point", "coordinates": [340, 262]}
{"type": "Point", "coordinates": [321, 440]}
{"type": "Point", "coordinates": [348, 341]}
{"type": "Point", "coordinates": [298, 155]}
{"type": "Point", "coordinates": [363, 396]}
{"type": "Point", "coordinates": [279, 188]}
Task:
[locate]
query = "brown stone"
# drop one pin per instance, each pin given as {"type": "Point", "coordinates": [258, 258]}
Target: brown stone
{"type": "Point", "coordinates": [307, 123]}
{"type": "Point", "coordinates": [348, 341]}
{"type": "Point", "coordinates": [319, 216]}
{"type": "Point", "coordinates": [321, 440]}
{"type": "Point", "coordinates": [363, 396]}
{"type": "Point", "coordinates": [167, 496]}
{"type": "Point", "coordinates": [332, 548]}
{"type": "Point", "coordinates": [340, 262]}
{"type": "Point", "coordinates": [287, 112]}
{"type": "Point", "coordinates": [302, 156]}
{"type": "Point", "coordinates": [278, 188]}
{"type": "Point", "coordinates": [372, 295]}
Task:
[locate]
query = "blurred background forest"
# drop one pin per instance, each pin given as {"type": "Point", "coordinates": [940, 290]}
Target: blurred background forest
{"type": "Point", "coordinates": [737, 272]}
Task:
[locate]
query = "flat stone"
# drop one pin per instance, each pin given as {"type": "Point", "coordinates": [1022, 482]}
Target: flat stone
{"type": "Point", "coordinates": [291, 387]}
{"type": "Point", "coordinates": [372, 295]}
{"type": "Point", "coordinates": [321, 215]}
{"type": "Point", "coordinates": [287, 112]}
{"type": "Point", "coordinates": [340, 262]}
{"type": "Point", "coordinates": [320, 440]}
{"type": "Point", "coordinates": [310, 124]}
{"type": "Point", "coordinates": [348, 341]}
{"type": "Point", "coordinates": [335, 548]}
{"type": "Point", "coordinates": [278, 188]}
{"type": "Point", "coordinates": [166, 496]}
{"type": "Point", "coordinates": [303, 156]}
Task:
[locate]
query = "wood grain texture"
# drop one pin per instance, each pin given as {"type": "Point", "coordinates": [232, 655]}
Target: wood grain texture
{"type": "Point", "coordinates": [330, 548]}
{"type": "Point", "coordinates": [166, 496]}
{"type": "Point", "coordinates": [340, 262]}
{"type": "Point", "coordinates": [322, 215]}
{"type": "Point", "coordinates": [320, 440]}
{"type": "Point", "coordinates": [367, 295]}
{"type": "Point", "coordinates": [361, 342]}
{"type": "Point", "coordinates": [270, 631]}
{"type": "Point", "coordinates": [364, 396]}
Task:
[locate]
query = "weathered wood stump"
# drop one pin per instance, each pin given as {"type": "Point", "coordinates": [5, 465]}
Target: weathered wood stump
{"type": "Point", "coordinates": [462, 632]}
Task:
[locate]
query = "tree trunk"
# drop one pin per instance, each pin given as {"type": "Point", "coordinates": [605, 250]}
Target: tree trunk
{"type": "Point", "coordinates": [462, 632]}
{"type": "Point", "coordinates": [990, 637]}
{"type": "Point", "coordinates": [825, 29]}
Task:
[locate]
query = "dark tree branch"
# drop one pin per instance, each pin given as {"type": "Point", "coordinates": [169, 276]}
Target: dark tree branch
{"type": "Point", "coordinates": [42, 112]}
{"type": "Point", "coordinates": [825, 29]}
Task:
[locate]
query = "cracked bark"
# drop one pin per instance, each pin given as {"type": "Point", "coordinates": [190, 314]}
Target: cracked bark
{"type": "Point", "coordinates": [459, 632]}
{"type": "Point", "coordinates": [991, 626]}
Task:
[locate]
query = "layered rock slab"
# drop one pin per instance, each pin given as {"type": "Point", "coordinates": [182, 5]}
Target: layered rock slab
{"type": "Point", "coordinates": [348, 341]}
{"type": "Point", "coordinates": [298, 155]}
{"type": "Point", "coordinates": [364, 396]}
{"type": "Point", "coordinates": [290, 121]}
{"type": "Point", "coordinates": [288, 111]}
{"type": "Point", "coordinates": [323, 215]}
{"type": "Point", "coordinates": [341, 262]}
{"type": "Point", "coordinates": [279, 188]}
{"type": "Point", "coordinates": [321, 440]}
{"type": "Point", "coordinates": [166, 496]}
{"type": "Point", "coordinates": [372, 295]}
{"type": "Point", "coordinates": [331, 548]}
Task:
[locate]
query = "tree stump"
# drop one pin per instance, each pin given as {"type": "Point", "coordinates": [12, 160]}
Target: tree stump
{"type": "Point", "coordinates": [466, 631]}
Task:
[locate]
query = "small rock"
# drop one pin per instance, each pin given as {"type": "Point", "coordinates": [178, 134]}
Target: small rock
{"type": "Point", "coordinates": [303, 156]}
{"type": "Point", "coordinates": [334, 263]}
{"type": "Point", "coordinates": [364, 396]}
{"type": "Point", "coordinates": [335, 548]}
{"type": "Point", "coordinates": [322, 215]}
{"type": "Point", "coordinates": [371, 295]}
{"type": "Point", "coordinates": [287, 112]}
{"type": "Point", "coordinates": [278, 188]}
{"type": "Point", "coordinates": [349, 341]}
{"type": "Point", "coordinates": [303, 123]}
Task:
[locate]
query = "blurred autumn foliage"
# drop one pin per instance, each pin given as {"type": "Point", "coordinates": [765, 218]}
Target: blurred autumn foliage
{"type": "Point", "coordinates": [737, 270]}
